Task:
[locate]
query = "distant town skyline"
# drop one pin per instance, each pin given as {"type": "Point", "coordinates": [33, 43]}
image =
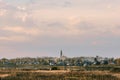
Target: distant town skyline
{"type": "Point", "coordinates": [31, 28]}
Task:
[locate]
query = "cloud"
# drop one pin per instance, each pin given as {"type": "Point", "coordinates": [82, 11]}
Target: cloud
{"type": "Point", "coordinates": [2, 12]}
{"type": "Point", "coordinates": [22, 30]}
{"type": "Point", "coordinates": [22, 16]}
{"type": "Point", "coordinates": [74, 24]}
{"type": "Point", "coordinates": [21, 8]}
{"type": "Point", "coordinates": [13, 39]}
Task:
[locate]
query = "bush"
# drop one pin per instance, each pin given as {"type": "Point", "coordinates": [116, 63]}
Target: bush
{"type": "Point", "coordinates": [55, 68]}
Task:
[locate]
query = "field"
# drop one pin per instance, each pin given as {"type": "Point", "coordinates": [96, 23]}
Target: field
{"type": "Point", "coordinates": [15, 74]}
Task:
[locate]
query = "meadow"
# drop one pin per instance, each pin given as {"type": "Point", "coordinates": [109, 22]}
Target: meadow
{"type": "Point", "coordinates": [15, 74]}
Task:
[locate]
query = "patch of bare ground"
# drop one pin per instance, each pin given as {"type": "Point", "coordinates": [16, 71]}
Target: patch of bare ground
{"type": "Point", "coordinates": [4, 75]}
{"type": "Point", "coordinates": [97, 72]}
{"type": "Point", "coordinates": [52, 71]}
{"type": "Point", "coordinates": [68, 71]}
{"type": "Point", "coordinates": [116, 75]}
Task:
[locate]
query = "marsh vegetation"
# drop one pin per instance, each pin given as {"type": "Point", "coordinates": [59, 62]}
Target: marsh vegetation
{"type": "Point", "coordinates": [57, 75]}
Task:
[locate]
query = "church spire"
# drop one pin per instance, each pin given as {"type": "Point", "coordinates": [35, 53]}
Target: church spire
{"type": "Point", "coordinates": [61, 54]}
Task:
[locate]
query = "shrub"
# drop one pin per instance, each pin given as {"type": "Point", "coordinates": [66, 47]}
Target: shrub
{"type": "Point", "coordinates": [55, 68]}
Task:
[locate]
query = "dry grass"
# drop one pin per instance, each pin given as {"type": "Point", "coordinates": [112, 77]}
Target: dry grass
{"type": "Point", "coordinates": [58, 75]}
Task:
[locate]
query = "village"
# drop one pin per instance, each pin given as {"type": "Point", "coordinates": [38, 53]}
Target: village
{"type": "Point", "coordinates": [57, 61]}
{"type": "Point", "coordinates": [52, 68]}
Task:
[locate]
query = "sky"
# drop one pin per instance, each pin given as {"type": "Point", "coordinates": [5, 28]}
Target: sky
{"type": "Point", "coordinates": [37, 28]}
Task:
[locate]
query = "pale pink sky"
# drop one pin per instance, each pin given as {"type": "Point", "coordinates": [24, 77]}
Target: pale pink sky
{"type": "Point", "coordinates": [43, 27]}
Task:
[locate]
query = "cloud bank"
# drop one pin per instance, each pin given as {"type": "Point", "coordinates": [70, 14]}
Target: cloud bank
{"type": "Point", "coordinates": [43, 27]}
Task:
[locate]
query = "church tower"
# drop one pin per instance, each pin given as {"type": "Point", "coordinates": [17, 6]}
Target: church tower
{"type": "Point", "coordinates": [61, 54]}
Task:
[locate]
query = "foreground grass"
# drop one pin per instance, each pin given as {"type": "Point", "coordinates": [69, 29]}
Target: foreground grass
{"type": "Point", "coordinates": [57, 75]}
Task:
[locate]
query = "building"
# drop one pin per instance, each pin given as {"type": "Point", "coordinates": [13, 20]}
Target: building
{"type": "Point", "coordinates": [62, 57]}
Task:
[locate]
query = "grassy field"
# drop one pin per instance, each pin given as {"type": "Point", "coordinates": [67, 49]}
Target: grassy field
{"type": "Point", "coordinates": [57, 75]}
